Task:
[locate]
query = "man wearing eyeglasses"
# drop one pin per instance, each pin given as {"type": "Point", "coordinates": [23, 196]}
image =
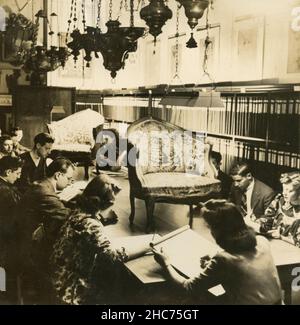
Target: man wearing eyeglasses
{"type": "Point", "coordinates": [42, 213]}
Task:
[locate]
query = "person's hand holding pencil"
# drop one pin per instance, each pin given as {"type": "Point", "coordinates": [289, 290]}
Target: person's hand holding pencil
{"type": "Point", "coordinates": [161, 257]}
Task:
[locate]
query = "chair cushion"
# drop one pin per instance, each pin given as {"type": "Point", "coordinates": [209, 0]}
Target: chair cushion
{"type": "Point", "coordinates": [179, 185]}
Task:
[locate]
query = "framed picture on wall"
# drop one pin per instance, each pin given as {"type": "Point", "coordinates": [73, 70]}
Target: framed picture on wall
{"type": "Point", "coordinates": [248, 43]}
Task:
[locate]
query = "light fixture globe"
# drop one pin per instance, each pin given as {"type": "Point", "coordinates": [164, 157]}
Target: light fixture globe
{"type": "Point", "coordinates": [155, 15]}
{"type": "Point", "coordinates": [194, 10]}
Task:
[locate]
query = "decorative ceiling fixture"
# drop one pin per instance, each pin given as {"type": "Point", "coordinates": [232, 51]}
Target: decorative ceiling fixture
{"type": "Point", "coordinates": [83, 41]}
{"type": "Point", "coordinates": [155, 15]}
{"type": "Point", "coordinates": [194, 10]}
{"type": "Point", "coordinates": [114, 45]}
{"type": "Point", "coordinates": [42, 60]}
{"type": "Point", "coordinates": [19, 47]}
{"type": "Point", "coordinates": [18, 39]}
{"type": "Point", "coordinates": [118, 41]}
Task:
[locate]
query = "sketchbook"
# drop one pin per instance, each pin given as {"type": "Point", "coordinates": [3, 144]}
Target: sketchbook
{"type": "Point", "coordinates": [184, 247]}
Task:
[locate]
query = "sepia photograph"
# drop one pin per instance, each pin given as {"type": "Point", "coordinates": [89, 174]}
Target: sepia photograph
{"type": "Point", "coordinates": [149, 155]}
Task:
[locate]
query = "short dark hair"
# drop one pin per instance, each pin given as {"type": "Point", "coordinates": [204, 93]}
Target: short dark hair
{"type": "Point", "coordinates": [9, 162]}
{"type": "Point", "coordinates": [228, 226]}
{"type": "Point", "coordinates": [13, 131]}
{"type": "Point", "coordinates": [216, 155]}
{"type": "Point", "coordinates": [241, 169]}
{"type": "Point", "coordinates": [43, 138]}
{"type": "Point", "coordinates": [96, 195]}
{"type": "Point", "coordinates": [58, 165]}
{"type": "Point", "coordinates": [4, 138]}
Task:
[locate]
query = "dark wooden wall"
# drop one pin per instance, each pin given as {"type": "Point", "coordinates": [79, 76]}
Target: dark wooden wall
{"type": "Point", "coordinates": [33, 105]}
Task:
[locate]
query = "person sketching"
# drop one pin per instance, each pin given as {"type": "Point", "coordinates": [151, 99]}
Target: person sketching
{"type": "Point", "coordinates": [245, 268]}
{"type": "Point", "coordinates": [87, 269]}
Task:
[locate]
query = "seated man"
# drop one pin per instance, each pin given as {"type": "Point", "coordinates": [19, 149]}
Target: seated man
{"type": "Point", "coordinates": [250, 195]}
{"type": "Point", "coordinates": [16, 135]}
{"type": "Point", "coordinates": [41, 205]}
{"type": "Point", "coordinates": [226, 180]}
{"type": "Point", "coordinates": [41, 214]}
{"type": "Point", "coordinates": [35, 161]}
{"type": "Point", "coordinates": [10, 171]}
{"type": "Point", "coordinates": [6, 146]}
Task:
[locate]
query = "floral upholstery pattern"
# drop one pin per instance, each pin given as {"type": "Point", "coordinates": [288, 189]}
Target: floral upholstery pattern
{"type": "Point", "coordinates": [172, 165]}
{"type": "Point", "coordinates": [167, 148]}
{"type": "Point", "coordinates": [76, 129]}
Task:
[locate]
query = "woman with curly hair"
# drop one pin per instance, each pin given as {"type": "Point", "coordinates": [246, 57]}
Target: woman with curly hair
{"type": "Point", "coordinates": [282, 217]}
{"type": "Point", "coordinates": [245, 268]}
{"type": "Point", "coordinates": [86, 268]}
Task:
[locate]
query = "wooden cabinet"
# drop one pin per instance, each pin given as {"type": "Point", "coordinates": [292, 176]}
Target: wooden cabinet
{"type": "Point", "coordinates": [33, 107]}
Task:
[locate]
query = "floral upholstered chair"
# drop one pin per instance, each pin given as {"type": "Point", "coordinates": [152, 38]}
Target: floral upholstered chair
{"type": "Point", "coordinates": [168, 164]}
{"type": "Point", "coordinates": [74, 136]}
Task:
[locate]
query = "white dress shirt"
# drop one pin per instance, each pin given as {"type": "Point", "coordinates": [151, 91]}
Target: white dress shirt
{"type": "Point", "coordinates": [249, 196]}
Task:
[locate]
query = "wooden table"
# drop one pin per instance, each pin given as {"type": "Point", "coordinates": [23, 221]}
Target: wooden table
{"type": "Point", "coordinates": [148, 272]}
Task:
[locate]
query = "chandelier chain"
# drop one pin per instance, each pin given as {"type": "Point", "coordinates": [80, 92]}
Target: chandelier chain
{"type": "Point", "coordinates": [83, 14]}
{"type": "Point", "coordinates": [131, 13]}
{"type": "Point", "coordinates": [70, 21]}
{"type": "Point", "coordinates": [177, 45]}
{"type": "Point", "coordinates": [110, 9]}
{"type": "Point", "coordinates": [75, 15]}
{"type": "Point", "coordinates": [98, 14]}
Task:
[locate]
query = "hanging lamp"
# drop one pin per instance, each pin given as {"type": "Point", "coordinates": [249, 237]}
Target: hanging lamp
{"type": "Point", "coordinates": [117, 42]}
{"type": "Point", "coordinates": [155, 15]}
{"type": "Point", "coordinates": [194, 10]}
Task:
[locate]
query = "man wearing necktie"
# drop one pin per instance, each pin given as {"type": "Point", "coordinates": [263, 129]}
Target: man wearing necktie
{"type": "Point", "coordinates": [250, 195]}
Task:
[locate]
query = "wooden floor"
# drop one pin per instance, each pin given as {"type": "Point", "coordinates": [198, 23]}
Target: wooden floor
{"type": "Point", "coordinates": [168, 217]}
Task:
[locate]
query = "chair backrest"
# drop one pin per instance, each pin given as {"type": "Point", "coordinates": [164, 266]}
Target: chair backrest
{"type": "Point", "coordinates": [165, 147]}
{"type": "Point", "coordinates": [76, 128]}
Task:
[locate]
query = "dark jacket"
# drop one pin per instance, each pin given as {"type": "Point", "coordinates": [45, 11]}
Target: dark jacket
{"type": "Point", "coordinates": [262, 196]}
{"type": "Point", "coordinates": [250, 278]}
{"type": "Point", "coordinates": [40, 204]}
{"type": "Point", "coordinates": [9, 198]}
{"type": "Point", "coordinates": [31, 172]}
{"type": "Point", "coordinates": [226, 183]}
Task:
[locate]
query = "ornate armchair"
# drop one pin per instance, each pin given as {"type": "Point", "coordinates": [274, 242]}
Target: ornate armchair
{"type": "Point", "coordinates": [74, 137]}
{"type": "Point", "coordinates": [168, 164]}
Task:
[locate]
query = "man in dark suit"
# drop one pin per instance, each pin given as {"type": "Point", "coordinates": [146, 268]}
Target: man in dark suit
{"type": "Point", "coordinates": [250, 195]}
{"type": "Point", "coordinates": [41, 204]}
{"type": "Point", "coordinates": [35, 161]}
{"type": "Point", "coordinates": [226, 180]}
{"type": "Point", "coordinates": [10, 171]}
{"type": "Point", "coordinates": [41, 214]}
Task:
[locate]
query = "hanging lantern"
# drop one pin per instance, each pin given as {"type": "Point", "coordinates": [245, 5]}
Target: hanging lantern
{"type": "Point", "coordinates": [86, 42]}
{"type": "Point", "coordinates": [116, 43]}
{"type": "Point", "coordinates": [155, 15]}
{"type": "Point", "coordinates": [17, 40]}
{"type": "Point", "coordinates": [194, 10]}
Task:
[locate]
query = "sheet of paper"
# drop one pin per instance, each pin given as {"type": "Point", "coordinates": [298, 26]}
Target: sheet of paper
{"type": "Point", "coordinates": [72, 190]}
{"type": "Point", "coordinates": [185, 251]}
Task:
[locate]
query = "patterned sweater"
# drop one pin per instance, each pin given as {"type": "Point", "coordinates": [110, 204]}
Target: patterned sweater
{"type": "Point", "coordinates": [86, 267]}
